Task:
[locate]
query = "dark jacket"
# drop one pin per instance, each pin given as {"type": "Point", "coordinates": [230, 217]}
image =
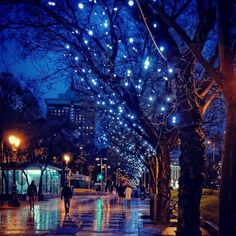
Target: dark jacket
{"type": "Point", "coordinates": [66, 192]}
{"type": "Point", "coordinates": [32, 190]}
{"type": "Point", "coordinates": [121, 190]}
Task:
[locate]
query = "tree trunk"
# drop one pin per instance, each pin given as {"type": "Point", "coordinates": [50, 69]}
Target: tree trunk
{"type": "Point", "coordinates": [192, 157]}
{"type": "Point", "coordinates": [26, 177]}
{"type": "Point", "coordinates": [40, 192]}
{"type": "Point", "coordinates": [6, 183]}
{"type": "Point", "coordinates": [227, 216]}
{"type": "Point", "coordinates": [160, 185]}
{"type": "Point", "coordinates": [190, 181]}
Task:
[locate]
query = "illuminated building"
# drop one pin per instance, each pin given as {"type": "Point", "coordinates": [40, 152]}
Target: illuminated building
{"type": "Point", "coordinates": [80, 113]}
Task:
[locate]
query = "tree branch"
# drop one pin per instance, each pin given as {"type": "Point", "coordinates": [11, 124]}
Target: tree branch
{"type": "Point", "coordinates": [217, 75]}
{"type": "Point", "coordinates": [209, 101]}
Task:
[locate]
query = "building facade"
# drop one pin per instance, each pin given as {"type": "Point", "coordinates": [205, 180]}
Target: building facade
{"type": "Point", "coordinates": [81, 114]}
{"type": "Point", "coordinates": [24, 174]}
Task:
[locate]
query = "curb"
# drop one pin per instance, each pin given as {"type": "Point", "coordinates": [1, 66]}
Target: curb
{"type": "Point", "coordinates": [210, 227]}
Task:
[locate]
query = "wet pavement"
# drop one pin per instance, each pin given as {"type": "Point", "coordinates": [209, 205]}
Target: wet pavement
{"type": "Point", "coordinates": [89, 216]}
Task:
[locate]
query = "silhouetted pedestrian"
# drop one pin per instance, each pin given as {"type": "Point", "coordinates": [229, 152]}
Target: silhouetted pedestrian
{"type": "Point", "coordinates": [66, 192]}
{"type": "Point", "coordinates": [32, 193]}
{"type": "Point", "coordinates": [128, 194]}
{"type": "Point", "coordinates": [98, 189]}
{"type": "Point", "coordinates": [121, 191]}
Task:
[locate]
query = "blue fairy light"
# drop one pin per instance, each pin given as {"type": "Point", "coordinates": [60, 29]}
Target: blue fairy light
{"type": "Point", "coordinates": [162, 48]}
{"type": "Point", "coordinates": [81, 6]}
{"type": "Point", "coordinates": [131, 40]}
{"type": "Point", "coordinates": [130, 3]}
{"type": "Point", "coordinates": [90, 32]}
{"type": "Point", "coordinates": [146, 63]}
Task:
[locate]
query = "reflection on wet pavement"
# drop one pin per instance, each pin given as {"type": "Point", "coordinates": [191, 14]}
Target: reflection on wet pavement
{"type": "Point", "coordinates": [100, 216]}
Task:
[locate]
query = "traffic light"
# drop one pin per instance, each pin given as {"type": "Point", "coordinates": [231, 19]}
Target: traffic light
{"type": "Point", "coordinates": [99, 177]}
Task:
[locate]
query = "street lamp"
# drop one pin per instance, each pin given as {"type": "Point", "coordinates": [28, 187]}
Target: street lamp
{"type": "Point", "coordinates": [212, 144]}
{"type": "Point", "coordinates": [101, 159]}
{"type": "Point", "coordinates": [66, 159]}
{"type": "Point", "coordinates": [15, 143]}
{"type": "Point", "coordinates": [106, 167]}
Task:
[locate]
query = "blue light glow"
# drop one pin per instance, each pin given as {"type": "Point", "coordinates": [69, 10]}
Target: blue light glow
{"type": "Point", "coordinates": [174, 119]}
{"type": "Point", "coordinates": [105, 24]}
{"type": "Point", "coordinates": [51, 3]}
{"type": "Point", "coordinates": [90, 32]}
{"type": "Point", "coordinates": [131, 3]}
{"type": "Point", "coordinates": [162, 48]}
{"type": "Point", "coordinates": [131, 40]}
{"type": "Point", "coordinates": [146, 63]}
{"type": "Point", "coordinates": [81, 6]}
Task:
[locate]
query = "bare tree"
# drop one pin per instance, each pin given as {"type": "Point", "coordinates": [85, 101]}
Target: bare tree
{"type": "Point", "coordinates": [224, 77]}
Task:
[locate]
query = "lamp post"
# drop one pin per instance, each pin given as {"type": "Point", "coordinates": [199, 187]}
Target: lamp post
{"type": "Point", "coordinates": [66, 159]}
{"type": "Point", "coordinates": [213, 147]}
{"type": "Point", "coordinates": [101, 159]}
{"type": "Point", "coordinates": [15, 143]}
{"type": "Point", "coordinates": [106, 167]}
{"type": "Point", "coordinates": [117, 173]}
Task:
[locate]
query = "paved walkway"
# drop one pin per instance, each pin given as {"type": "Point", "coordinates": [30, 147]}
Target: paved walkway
{"type": "Point", "coordinates": [89, 216]}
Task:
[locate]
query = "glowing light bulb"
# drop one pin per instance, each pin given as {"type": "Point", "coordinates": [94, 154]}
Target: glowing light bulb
{"type": "Point", "coordinates": [105, 24]}
{"type": "Point", "coordinates": [81, 6]}
{"type": "Point", "coordinates": [131, 40]}
{"type": "Point", "coordinates": [146, 63]}
{"type": "Point", "coordinates": [51, 3]}
{"type": "Point", "coordinates": [130, 3]}
{"type": "Point", "coordinates": [162, 48]}
{"type": "Point", "coordinates": [90, 32]}
{"type": "Point", "coordinates": [174, 119]}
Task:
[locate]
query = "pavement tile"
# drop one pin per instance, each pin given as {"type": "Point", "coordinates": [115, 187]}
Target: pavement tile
{"type": "Point", "coordinates": [89, 215]}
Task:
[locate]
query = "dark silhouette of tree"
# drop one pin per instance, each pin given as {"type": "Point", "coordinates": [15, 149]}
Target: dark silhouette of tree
{"type": "Point", "coordinates": [195, 92]}
{"type": "Point", "coordinates": [224, 77]}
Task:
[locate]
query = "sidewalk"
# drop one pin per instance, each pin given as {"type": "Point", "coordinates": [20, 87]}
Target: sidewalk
{"type": "Point", "coordinates": [89, 216]}
{"type": "Point", "coordinates": [82, 198]}
{"type": "Point", "coordinates": [151, 228]}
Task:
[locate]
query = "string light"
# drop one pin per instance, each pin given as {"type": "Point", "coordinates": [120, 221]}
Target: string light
{"type": "Point", "coordinates": [81, 6]}
{"type": "Point", "coordinates": [130, 3]}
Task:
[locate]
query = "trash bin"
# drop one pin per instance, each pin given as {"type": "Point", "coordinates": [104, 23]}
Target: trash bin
{"type": "Point", "coordinates": [153, 207]}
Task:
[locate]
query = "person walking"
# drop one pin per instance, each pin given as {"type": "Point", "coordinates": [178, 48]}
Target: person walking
{"type": "Point", "coordinates": [128, 193]}
{"type": "Point", "coordinates": [32, 193]}
{"type": "Point", "coordinates": [120, 191]}
{"type": "Point", "coordinates": [66, 193]}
